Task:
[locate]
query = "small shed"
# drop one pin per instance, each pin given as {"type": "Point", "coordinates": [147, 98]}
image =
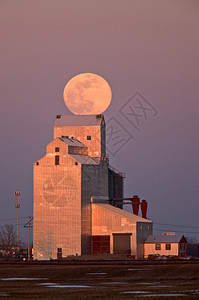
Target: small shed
{"type": "Point", "coordinates": [165, 244]}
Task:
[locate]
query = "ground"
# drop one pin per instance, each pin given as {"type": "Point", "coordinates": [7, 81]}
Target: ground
{"type": "Point", "coordinates": [100, 280]}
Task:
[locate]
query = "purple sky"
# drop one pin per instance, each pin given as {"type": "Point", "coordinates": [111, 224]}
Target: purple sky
{"type": "Point", "coordinates": [146, 46]}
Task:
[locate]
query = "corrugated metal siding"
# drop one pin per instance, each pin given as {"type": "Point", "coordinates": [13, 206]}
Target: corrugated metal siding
{"type": "Point", "coordinates": [115, 186]}
{"type": "Point", "coordinates": [57, 205]}
{"type": "Point", "coordinates": [94, 181]}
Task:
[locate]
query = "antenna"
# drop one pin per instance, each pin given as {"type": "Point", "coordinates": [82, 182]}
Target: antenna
{"type": "Point", "coordinates": [17, 206]}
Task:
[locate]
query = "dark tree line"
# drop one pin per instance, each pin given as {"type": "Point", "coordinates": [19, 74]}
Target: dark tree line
{"type": "Point", "coordinates": [8, 241]}
{"type": "Point", "coordinates": [192, 247]}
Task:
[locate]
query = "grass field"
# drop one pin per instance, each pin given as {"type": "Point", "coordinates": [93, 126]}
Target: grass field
{"type": "Point", "coordinates": [122, 281]}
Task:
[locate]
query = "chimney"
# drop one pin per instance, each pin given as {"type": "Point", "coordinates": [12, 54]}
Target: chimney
{"type": "Point", "coordinates": [135, 204]}
{"type": "Point", "coordinates": [144, 205]}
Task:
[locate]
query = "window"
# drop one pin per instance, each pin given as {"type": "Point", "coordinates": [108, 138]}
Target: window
{"type": "Point", "coordinates": [148, 227]}
{"type": "Point", "coordinates": [157, 246]}
{"type": "Point", "coordinates": [168, 246]}
{"type": "Point", "coordinates": [37, 163]}
{"type": "Point", "coordinates": [59, 250]}
{"type": "Point", "coordinates": [88, 137]}
{"type": "Point", "coordinates": [56, 160]}
{"type": "Point", "coordinates": [56, 149]}
{"type": "Point", "coordinates": [140, 226]}
{"type": "Point", "coordinates": [76, 163]}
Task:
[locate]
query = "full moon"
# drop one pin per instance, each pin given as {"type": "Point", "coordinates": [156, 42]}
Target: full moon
{"type": "Point", "coordinates": [87, 94]}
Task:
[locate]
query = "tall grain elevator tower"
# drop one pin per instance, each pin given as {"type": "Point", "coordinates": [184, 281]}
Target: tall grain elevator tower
{"type": "Point", "coordinates": [73, 169]}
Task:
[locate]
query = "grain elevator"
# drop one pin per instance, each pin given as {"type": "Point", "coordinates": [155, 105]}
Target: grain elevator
{"type": "Point", "coordinates": [74, 188]}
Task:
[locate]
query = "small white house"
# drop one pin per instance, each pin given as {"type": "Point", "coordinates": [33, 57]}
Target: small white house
{"type": "Point", "coordinates": [165, 244]}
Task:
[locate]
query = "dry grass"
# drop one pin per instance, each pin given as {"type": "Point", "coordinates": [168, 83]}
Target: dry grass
{"type": "Point", "coordinates": [153, 279]}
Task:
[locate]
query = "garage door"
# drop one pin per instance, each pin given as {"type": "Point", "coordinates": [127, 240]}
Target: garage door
{"type": "Point", "coordinates": [100, 244]}
{"type": "Point", "coordinates": [121, 243]}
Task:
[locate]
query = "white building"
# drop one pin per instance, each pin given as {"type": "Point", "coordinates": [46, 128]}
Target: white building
{"type": "Point", "coordinates": [165, 244]}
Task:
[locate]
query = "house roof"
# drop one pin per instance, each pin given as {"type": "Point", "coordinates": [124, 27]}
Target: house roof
{"type": "Point", "coordinates": [78, 120]}
{"type": "Point", "coordinates": [84, 159]}
{"type": "Point", "coordinates": [164, 238]}
{"type": "Point", "coordinates": [122, 213]}
{"type": "Point", "coordinates": [73, 142]}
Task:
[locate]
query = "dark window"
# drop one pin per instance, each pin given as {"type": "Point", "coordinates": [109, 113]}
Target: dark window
{"type": "Point", "coordinates": [56, 149]}
{"type": "Point", "coordinates": [56, 159]}
{"type": "Point", "coordinates": [157, 246]}
{"type": "Point", "coordinates": [64, 136]}
{"type": "Point", "coordinates": [88, 137]}
{"type": "Point", "coordinates": [37, 163]}
{"type": "Point", "coordinates": [58, 116]}
{"type": "Point", "coordinates": [76, 163]}
{"type": "Point", "coordinates": [168, 246]}
{"type": "Point", "coordinates": [59, 253]}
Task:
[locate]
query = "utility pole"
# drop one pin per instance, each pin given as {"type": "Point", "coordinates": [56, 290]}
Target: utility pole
{"type": "Point", "coordinates": [29, 238]}
{"type": "Point", "coordinates": [28, 225]}
{"type": "Point", "coordinates": [17, 206]}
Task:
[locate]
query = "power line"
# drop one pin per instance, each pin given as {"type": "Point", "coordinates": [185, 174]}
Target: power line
{"type": "Point", "coordinates": [13, 219]}
{"type": "Point", "coordinates": [22, 224]}
{"type": "Point", "coordinates": [197, 227]}
{"type": "Point", "coordinates": [178, 231]}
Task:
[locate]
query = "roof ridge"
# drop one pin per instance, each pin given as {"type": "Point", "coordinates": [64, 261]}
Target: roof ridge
{"type": "Point", "coordinates": [124, 213]}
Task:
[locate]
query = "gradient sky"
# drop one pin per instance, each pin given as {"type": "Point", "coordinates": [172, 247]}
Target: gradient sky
{"type": "Point", "coordinates": [136, 45]}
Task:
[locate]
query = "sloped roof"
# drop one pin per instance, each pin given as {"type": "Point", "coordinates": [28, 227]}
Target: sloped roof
{"type": "Point", "coordinates": [73, 142]}
{"type": "Point", "coordinates": [78, 120]}
{"type": "Point", "coordinates": [97, 159]}
{"type": "Point", "coordinates": [164, 238]}
{"type": "Point", "coordinates": [122, 213]}
{"type": "Point", "coordinates": [84, 159]}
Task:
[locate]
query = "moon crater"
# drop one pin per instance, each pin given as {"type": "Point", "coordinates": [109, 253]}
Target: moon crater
{"type": "Point", "coordinates": [87, 94]}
